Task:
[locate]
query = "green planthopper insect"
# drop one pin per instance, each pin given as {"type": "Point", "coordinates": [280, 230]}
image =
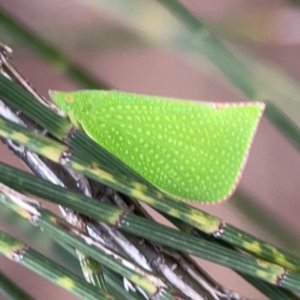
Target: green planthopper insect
{"type": "Point", "coordinates": [194, 151]}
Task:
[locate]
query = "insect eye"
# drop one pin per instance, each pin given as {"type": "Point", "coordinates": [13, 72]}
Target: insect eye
{"type": "Point", "coordinates": [68, 98]}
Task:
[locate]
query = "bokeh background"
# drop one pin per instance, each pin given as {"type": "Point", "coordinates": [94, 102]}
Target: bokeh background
{"type": "Point", "coordinates": [138, 46]}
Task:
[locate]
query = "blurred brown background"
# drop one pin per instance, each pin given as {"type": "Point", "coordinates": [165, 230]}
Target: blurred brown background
{"type": "Point", "coordinates": [94, 35]}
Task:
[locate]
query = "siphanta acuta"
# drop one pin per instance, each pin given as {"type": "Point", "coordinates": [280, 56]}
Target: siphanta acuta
{"type": "Point", "coordinates": [193, 151]}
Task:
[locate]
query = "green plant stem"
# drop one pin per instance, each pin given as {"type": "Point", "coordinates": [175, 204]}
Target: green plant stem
{"type": "Point", "coordinates": [59, 229]}
{"type": "Point", "coordinates": [19, 252]}
{"type": "Point", "coordinates": [158, 233]}
{"type": "Point", "coordinates": [11, 290]}
{"type": "Point", "coordinates": [274, 293]}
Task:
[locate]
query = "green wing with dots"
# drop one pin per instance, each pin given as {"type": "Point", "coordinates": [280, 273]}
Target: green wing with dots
{"type": "Point", "coordinates": [193, 151]}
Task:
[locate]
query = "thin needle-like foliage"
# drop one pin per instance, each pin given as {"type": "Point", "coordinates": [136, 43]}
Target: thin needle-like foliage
{"type": "Point", "coordinates": [122, 251]}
